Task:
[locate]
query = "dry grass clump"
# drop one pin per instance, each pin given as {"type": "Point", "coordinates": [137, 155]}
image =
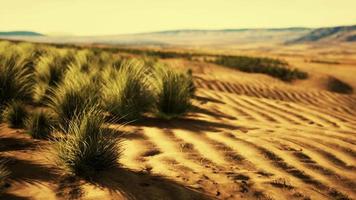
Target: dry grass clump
{"type": "Point", "coordinates": [15, 114]}
{"type": "Point", "coordinates": [173, 91]}
{"type": "Point", "coordinates": [40, 124]}
{"type": "Point", "coordinates": [15, 78]}
{"type": "Point", "coordinates": [4, 174]}
{"type": "Point", "coordinates": [76, 92]}
{"type": "Point", "coordinates": [86, 146]}
{"type": "Point", "coordinates": [50, 71]}
{"type": "Point", "coordinates": [125, 90]}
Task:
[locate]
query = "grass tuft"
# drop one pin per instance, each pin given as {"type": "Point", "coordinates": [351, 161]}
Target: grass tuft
{"type": "Point", "coordinates": [15, 78]}
{"type": "Point", "coordinates": [39, 125]}
{"type": "Point", "coordinates": [173, 92]}
{"type": "Point", "coordinates": [15, 114]}
{"type": "Point", "coordinates": [86, 146]}
{"type": "Point", "coordinates": [4, 174]}
{"type": "Point", "coordinates": [125, 90]}
{"type": "Point", "coordinates": [76, 92]}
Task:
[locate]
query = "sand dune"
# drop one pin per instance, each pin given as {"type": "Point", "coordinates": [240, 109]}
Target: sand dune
{"type": "Point", "coordinates": [250, 136]}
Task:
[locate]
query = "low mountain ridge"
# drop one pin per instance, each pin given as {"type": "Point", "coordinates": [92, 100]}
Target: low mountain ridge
{"type": "Point", "coordinates": [339, 33]}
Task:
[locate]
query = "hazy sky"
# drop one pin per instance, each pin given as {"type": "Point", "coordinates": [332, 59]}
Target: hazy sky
{"type": "Point", "coordinates": [100, 17]}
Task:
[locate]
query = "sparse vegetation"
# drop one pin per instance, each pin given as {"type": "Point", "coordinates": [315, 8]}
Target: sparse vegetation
{"type": "Point", "coordinates": [39, 125]}
{"type": "Point", "coordinates": [338, 86]}
{"type": "Point", "coordinates": [87, 146]}
{"type": "Point", "coordinates": [173, 92]}
{"type": "Point", "coordinates": [125, 91]}
{"type": "Point", "coordinates": [15, 114]}
{"type": "Point", "coordinates": [272, 67]}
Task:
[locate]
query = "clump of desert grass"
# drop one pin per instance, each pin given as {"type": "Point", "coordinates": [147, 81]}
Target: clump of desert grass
{"type": "Point", "coordinates": [77, 91]}
{"type": "Point", "coordinates": [15, 114]}
{"type": "Point", "coordinates": [15, 78]}
{"type": "Point", "coordinates": [125, 90]}
{"type": "Point", "coordinates": [50, 71]}
{"type": "Point", "coordinates": [40, 124]}
{"type": "Point", "coordinates": [4, 174]}
{"type": "Point", "coordinates": [86, 145]}
{"type": "Point", "coordinates": [173, 91]}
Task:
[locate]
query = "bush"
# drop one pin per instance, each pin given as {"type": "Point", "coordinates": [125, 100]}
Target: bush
{"type": "Point", "coordinates": [273, 67]}
{"type": "Point", "coordinates": [76, 92]}
{"type": "Point", "coordinates": [87, 146]}
{"type": "Point", "coordinates": [40, 125]}
{"type": "Point", "coordinates": [15, 79]}
{"type": "Point", "coordinates": [173, 92]}
{"type": "Point", "coordinates": [15, 114]}
{"type": "Point", "coordinates": [125, 91]}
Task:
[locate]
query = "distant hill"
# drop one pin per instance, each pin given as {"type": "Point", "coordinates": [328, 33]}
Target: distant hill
{"type": "Point", "coordinates": [229, 38]}
{"type": "Point", "coordinates": [20, 33]}
{"type": "Point", "coordinates": [339, 34]}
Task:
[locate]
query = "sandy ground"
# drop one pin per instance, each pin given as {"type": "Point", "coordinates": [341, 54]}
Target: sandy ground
{"type": "Point", "coordinates": [249, 137]}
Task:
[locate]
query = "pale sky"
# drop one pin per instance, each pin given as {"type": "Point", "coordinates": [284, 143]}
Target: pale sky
{"type": "Point", "coordinates": [103, 17]}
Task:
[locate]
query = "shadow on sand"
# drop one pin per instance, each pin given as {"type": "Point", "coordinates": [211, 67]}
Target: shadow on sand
{"type": "Point", "coordinates": [141, 185]}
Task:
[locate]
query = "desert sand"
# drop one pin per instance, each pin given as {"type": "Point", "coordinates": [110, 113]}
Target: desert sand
{"type": "Point", "coordinates": [249, 136]}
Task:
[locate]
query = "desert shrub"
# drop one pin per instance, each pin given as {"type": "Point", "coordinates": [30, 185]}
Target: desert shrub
{"type": "Point", "coordinates": [273, 67]}
{"type": "Point", "coordinates": [15, 114]}
{"type": "Point", "coordinates": [125, 91]}
{"type": "Point", "coordinates": [76, 92]}
{"type": "Point", "coordinates": [87, 146]}
{"type": "Point", "coordinates": [172, 92]}
{"type": "Point", "coordinates": [39, 125]}
{"type": "Point", "coordinates": [50, 71]}
{"type": "Point", "coordinates": [336, 85]}
{"type": "Point", "coordinates": [15, 78]}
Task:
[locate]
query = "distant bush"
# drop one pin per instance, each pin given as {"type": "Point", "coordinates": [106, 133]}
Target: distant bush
{"type": "Point", "coordinates": [15, 78]}
{"type": "Point", "coordinates": [39, 125]}
{"type": "Point", "coordinates": [15, 114]}
{"type": "Point", "coordinates": [125, 91]}
{"type": "Point", "coordinates": [272, 67]}
{"type": "Point", "coordinates": [87, 146]}
{"type": "Point", "coordinates": [77, 91]}
{"type": "Point", "coordinates": [173, 92]}
{"type": "Point", "coordinates": [338, 86]}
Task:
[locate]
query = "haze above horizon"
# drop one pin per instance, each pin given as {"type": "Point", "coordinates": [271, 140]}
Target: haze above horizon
{"type": "Point", "coordinates": [93, 17]}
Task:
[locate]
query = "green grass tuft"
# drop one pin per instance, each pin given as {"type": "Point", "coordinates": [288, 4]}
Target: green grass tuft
{"type": "Point", "coordinates": [173, 92]}
{"type": "Point", "coordinates": [15, 114]}
{"type": "Point", "coordinates": [87, 147]}
{"type": "Point", "coordinates": [125, 91]}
